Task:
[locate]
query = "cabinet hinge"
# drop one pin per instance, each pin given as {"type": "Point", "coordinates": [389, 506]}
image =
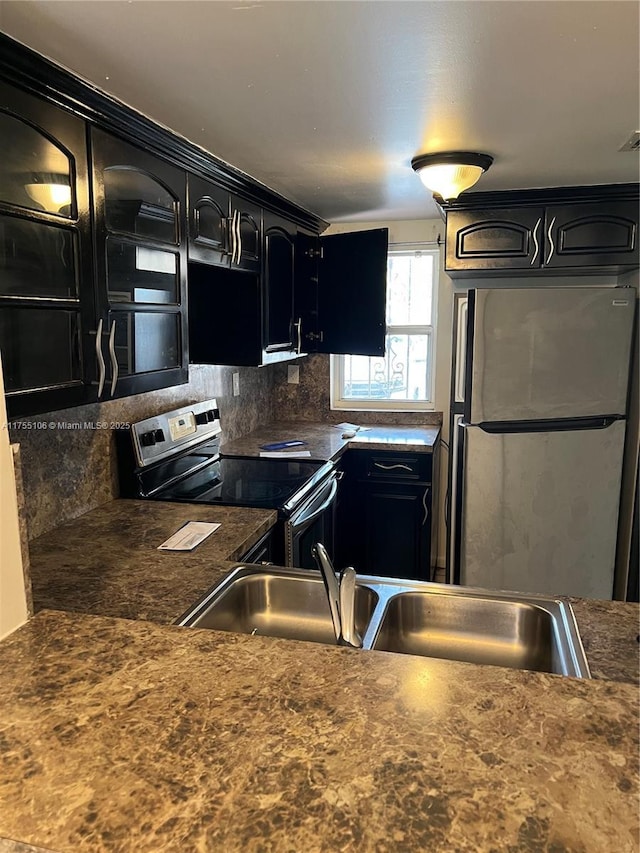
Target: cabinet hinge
{"type": "Point", "coordinates": [315, 336]}
{"type": "Point", "coordinates": [315, 253]}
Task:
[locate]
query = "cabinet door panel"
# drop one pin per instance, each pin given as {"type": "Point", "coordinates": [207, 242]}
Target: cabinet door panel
{"type": "Point", "coordinates": [47, 306]}
{"type": "Point", "coordinates": [494, 239]}
{"type": "Point", "coordinates": [592, 235]}
{"type": "Point", "coordinates": [352, 290]}
{"type": "Point", "coordinates": [141, 274]}
{"type": "Point", "coordinates": [40, 348]}
{"type": "Point", "coordinates": [141, 260]}
{"type": "Point", "coordinates": [37, 174]}
{"type": "Point", "coordinates": [209, 236]}
{"type": "Point", "coordinates": [135, 203]}
{"type": "Point", "coordinates": [145, 341]}
{"type": "Point", "coordinates": [246, 237]}
{"type": "Point", "coordinates": [278, 284]}
{"type": "Point", "coordinates": [398, 525]}
{"type": "Point", "coordinates": [38, 259]}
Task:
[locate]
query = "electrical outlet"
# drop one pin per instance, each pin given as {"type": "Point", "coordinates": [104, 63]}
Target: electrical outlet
{"type": "Point", "coordinates": [236, 384]}
{"type": "Point", "coordinates": [293, 374]}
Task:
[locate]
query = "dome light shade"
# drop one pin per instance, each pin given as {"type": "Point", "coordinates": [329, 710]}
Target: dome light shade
{"type": "Point", "coordinates": [452, 172]}
{"type": "Point", "coordinates": [51, 191]}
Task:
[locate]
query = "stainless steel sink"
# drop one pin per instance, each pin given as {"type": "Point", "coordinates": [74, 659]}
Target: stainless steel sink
{"type": "Point", "coordinates": [526, 633]}
{"type": "Point", "coordinates": [408, 617]}
{"type": "Point", "coordinates": [287, 603]}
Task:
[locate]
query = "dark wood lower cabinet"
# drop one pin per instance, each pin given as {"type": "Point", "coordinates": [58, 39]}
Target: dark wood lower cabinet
{"type": "Point", "coordinates": [398, 530]}
{"type": "Point", "coordinates": [385, 518]}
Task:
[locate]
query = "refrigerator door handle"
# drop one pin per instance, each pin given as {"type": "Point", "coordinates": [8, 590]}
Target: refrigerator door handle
{"type": "Point", "coordinates": [564, 425]}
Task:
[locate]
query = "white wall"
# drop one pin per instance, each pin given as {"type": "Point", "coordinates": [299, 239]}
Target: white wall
{"type": "Point", "coordinates": [427, 231]}
{"type": "Point", "coordinates": [13, 604]}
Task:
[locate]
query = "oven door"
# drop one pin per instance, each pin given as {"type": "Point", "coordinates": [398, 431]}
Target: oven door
{"type": "Point", "coordinates": [312, 522]}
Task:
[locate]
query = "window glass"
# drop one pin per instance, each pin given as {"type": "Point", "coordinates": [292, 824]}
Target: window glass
{"type": "Point", "coordinates": [409, 290]}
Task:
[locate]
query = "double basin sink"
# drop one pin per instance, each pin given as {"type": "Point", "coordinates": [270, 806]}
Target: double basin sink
{"type": "Point", "coordinates": [434, 620]}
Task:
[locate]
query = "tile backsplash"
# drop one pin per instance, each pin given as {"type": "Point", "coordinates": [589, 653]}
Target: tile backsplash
{"type": "Point", "coordinates": [71, 468]}
{"type": "Point", "coordinates": [311, 399]}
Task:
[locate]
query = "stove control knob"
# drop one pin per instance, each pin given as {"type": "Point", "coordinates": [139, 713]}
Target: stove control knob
{"type": "Point", "coordinates": [201, 418]}
{"type": "Point", "coordinates": [159, 435]}
{"type": "Point", "coordinates": [214, 414]}
{"type": "Point", "coordinates": [148, 439]}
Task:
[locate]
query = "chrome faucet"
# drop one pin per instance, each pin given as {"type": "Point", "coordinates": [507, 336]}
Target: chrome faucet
{"type": "Point", "coordinates": [341, 593]}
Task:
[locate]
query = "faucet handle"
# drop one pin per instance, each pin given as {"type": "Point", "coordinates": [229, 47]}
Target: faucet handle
{"type": "Point", "coordinates": [350, 636]}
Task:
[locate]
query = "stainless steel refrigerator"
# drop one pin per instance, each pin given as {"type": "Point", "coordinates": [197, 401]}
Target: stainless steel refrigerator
{"type": "Point", "coordinates": [539, 402]}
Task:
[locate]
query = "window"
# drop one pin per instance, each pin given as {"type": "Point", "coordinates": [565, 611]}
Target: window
{"type": "Point", "coordinates": [404, 377]}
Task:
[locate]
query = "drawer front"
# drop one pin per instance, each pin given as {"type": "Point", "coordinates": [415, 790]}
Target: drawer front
{"type": "Point", "coordinates": [414, 467]}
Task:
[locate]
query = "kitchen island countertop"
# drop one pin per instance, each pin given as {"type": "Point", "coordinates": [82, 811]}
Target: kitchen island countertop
{"type": "Point", "coordinates": [106, 562]}
{"type": "Point", "coordinates": [122, 735]}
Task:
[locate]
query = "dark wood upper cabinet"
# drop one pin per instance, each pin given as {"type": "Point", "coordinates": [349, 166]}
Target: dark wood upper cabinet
{"type": "Point", "coordinates": [324, 294]}
{"type": "Point", "coordinates": [245, 235]}
{"type": "Point", "coordinates": [597, 235]}
{"type": "Point", "coordinates": [344, 309]}
{"type": "Point", "coordinates": [209, 222]}
{"type": "Point", "coordinates": [47, 309]}
{"type": "Point", "coordinates": [141, 254]}
{"type": "Point", "coordinates": [591, 234]}
{"type": "Point", "coordinates": [509, 239]}
{"type": "Point", "coordinates": [278, 286]}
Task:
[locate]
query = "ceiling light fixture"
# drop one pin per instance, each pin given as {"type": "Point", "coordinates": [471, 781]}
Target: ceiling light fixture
{"type": "Point", "coordinates": [452, 172]}
{"type": "Point", "coordinates": [50, 191]}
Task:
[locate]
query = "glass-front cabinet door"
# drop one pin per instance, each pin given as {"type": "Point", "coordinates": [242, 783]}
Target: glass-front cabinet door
{"type": "Point", "coordinates": [46, 297]}
{"type": "Point", "coordinates": [139, 205]}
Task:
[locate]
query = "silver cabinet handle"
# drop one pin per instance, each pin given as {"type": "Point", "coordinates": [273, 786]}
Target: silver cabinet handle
{"type": "Point", "coordinates": [112, 355]}
{"type": "Point", "coordinates": [550, 238]}
{"type": "Point", "coordinates": [238, 238]}
{"type": "Point", "coordinates": [393, 467]}
{"type": "Point", "coordinates": [535, 241]}
{"type": "Point", "coordinates": [231, 236]}
{"type": "Point", "coordinates": [425, 507]}
{"type": "Point", "coordinates": [298, 327]}
{"type": "Point", "coordinates": [102, 371]}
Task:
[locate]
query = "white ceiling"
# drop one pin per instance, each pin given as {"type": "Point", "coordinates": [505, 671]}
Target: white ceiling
{"type": "Point", "coordinates": [327, 102]}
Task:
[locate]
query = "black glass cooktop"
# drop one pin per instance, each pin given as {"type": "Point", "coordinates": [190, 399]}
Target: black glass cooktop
{"type": "Point", "coordinates": [268, 483]}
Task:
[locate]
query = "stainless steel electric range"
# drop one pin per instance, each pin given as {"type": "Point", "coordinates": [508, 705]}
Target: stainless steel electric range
{"type": "Point", "coordinates": [176, 457]}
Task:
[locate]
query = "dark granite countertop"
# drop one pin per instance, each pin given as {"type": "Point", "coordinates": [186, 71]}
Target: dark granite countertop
{"type": "Point", "coordinates": [324, 441]}
{"type": "Point", "coordinates": [121, 735]}
{"type": "Point", "coordinates": [609, 631]}
{"type": "Point", "coordinates": [106, 562]}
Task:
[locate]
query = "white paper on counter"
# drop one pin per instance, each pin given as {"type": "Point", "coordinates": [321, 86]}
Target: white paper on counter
{"type": "Point", "coordinates": [284, 454]}
{"type": "Point", "coordinates": [347, 427]}
{"type": "Point", "coordinates": [189, 536]}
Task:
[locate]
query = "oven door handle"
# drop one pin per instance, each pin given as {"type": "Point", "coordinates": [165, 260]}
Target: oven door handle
{"type": "Point", "coordinates": [303, 519]}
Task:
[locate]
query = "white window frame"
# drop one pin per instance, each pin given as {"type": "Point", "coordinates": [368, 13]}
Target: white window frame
{"type": "Point", "coordinates": [338, 402]}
